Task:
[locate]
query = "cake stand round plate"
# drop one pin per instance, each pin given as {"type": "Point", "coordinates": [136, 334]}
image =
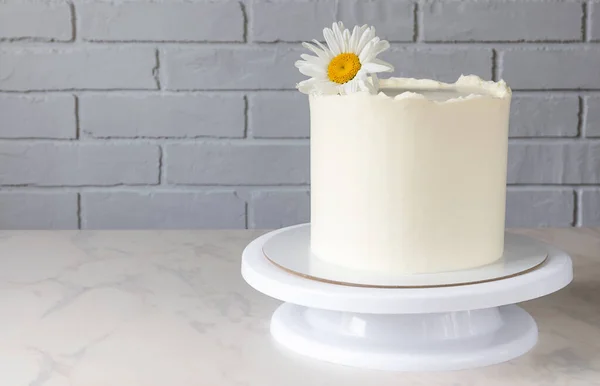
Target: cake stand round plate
{"type": "Point", "coordinates": [289, 248]}
{"type": "Point", "coordinates": [405, 329]}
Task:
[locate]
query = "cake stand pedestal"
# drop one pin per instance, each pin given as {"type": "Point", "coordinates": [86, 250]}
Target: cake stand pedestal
{"type": "Point", "coordinates": [405, 329]}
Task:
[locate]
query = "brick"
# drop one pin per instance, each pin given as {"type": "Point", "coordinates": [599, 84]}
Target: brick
{"type": "Point", "coordinates": [444, 64]}
{"type": "Point", "coordinates": [77, 68]}
{"type": "Point", "coordinates": [594, 18]}
{"type": "Point", "coordinates": [592, 118]}
{"type": "Point", "coordinates": [29, 19]}
{"type": "Point", "coordinates": [541, 116]}
{"type": "Point", "coordinates": [231, 68]}
{"type": "Point", "coordinates": [162, 116]}
{"type": "Point", "coordinates": [162, 210]}
{"type": "Point", "coordinates": [279, 115]}
{"type": "Point", "coordinates": [540, 208]}
{"type": "Point", "coordinates": [272, 210]}
{"type": "Point", "coordinates": [590, 207]}
{"type": "Point", "coordinates": [37, 116]}
{"type": "Point", "coordinates": [487, 21]}
{"type": "Point", "coordinates": [75, 164]}
{"type": "Point", "coordinates": [32, 210]}
{"type": "Point", "coordinates": [173, 21]}
{"type": "Point", "coordinates": [237, 164]}
{"type": "Point", "coordinates": [274, 21]}
{"type": "Point", "coordinates": [574, 162]}
{"type": "Point", "coordinates": [552, 68]}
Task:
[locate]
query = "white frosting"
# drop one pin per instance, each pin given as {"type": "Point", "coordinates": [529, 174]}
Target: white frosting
{"type": "Point", "coordinates": [413, 179]}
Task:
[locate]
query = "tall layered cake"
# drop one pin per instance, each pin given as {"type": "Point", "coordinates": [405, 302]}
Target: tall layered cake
{"type": "Point", "coordinates": [407, 175]}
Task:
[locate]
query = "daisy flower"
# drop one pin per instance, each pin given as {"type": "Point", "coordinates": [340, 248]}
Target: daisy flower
{"type": "Point", "coordinates": [348, 64]}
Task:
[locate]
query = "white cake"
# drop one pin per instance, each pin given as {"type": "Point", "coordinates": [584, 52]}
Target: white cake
{"type": "Point", "coordinates": [407, 175]}
{"type": "Point", "coordinates": [410, 181]}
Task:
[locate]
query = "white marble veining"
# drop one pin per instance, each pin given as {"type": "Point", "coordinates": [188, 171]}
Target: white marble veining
{"type": "Point", "coordinates": [151, 308]}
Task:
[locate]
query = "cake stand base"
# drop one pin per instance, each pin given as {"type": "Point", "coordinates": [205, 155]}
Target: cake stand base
{"type": "Point", "coordinates": [412, 342]}
{"type": "Point", "coordinates": [406, 329]}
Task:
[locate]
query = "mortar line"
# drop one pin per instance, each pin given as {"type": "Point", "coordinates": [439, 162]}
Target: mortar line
{"type": "Point", "coordinates": [577, 212]}
{"type": "Point", "coordinates": [237, 141]}
{"type": "Point", "coordinates": [494, 65]}
{"type": "Point", "coordinates": [160, 165]}
{"type": "Point", "coordinates": [175, 188]}
{"type": "Point", "coordinates": [416, 22]}
{"type": "Point", "coordinates": [581, 117]}
{"type": "Point", "coordinates": [40, 42]}
{"type": "Point", "coordinates": [156, 69]}
{"type": "Point", "coordinates": [585, 20]}
{"type": "Point", "coordinates": [245, 21]}
{"type": "Point", "coordinates": [77, 119]}
{"type": "Point", "coordinates": [74, 30]}
{"type": "Point", "coordinates": [155, 188]}
{"type": "Point", "coordinates": [78, 210]}
{"type": "Point", "coordinates": [246, 119]}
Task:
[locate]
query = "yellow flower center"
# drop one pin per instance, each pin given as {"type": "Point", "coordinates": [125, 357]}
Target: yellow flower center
{"type": "Point", "coordinates": [343, 68]}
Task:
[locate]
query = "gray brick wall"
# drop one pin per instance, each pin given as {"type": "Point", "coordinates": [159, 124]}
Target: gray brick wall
{"type": "Point", "coordinates": [182, 113]}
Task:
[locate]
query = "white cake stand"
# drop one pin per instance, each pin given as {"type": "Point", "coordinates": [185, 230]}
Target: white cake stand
{"type": "Point", "coordinates": [405, 329]}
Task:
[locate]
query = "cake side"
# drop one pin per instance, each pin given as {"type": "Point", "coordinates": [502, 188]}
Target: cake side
{"type": "Point", "coordinates": [407, 175]}
{"type": "Point", "coordinates": [410, 184]}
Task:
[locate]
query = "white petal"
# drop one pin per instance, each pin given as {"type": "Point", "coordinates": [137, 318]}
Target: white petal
{"type": "Point", "coordinates": [373, 33]}
{"type": "Point", "coordinates": [374, 66]}
{"type": "Point", "coordinates": [300, 63]}
{"type": "Point", "coordinates": [317, 86]}
{"type": "Point", "coordinates": [362, 76]}
{"type": "Point", "coordinates": [327, 87]}
{"type": "Point", "coordinates": [343, 36]}
{"type": "Point", "coordinates": [306, 86]}
{"type": "Point", "coordinates": [353, 39]}
{"type": "Point", "coordinates": [328, 54]}
{"type": "Point", "coordinates": [339, 35]}
{"type": "Point", "coordinates": [383, 63]}
{"type": "Point", "coordinates": [315, 60]}
{"type": "Point", "coordinates": [365, 85]}
{"type": "Point", "coordinates": [359, 33]}
{"type": "Point", "coordinates": [306, 67]}
{"type": "Point", "coordinates": [375, 82]}
{"type": "Point", "coordinates": [351, 86]}
{"type": "Point", "coordinates": [373, 48]}
{"type": "Point", "coordinates": [331, 42]}
{"type": "Point", "coordinates": [322, 52]}
{"type": "Point", "coordinates": [325, 49]}
{"type": "Point", "coordinates": [346, 37]}
{"type": "Point", "coordinates": [312, 71]}
{"type": "Point", "coordinates": [337, 25]}
{"type": "Point", "coordinates": [366, 36]}
{"type": "Point", "coordinates": [371, 84]}
{"type": "Point", "coordinates": [380, 46]}
{"type": "Point", "coordinates": [366, 52]}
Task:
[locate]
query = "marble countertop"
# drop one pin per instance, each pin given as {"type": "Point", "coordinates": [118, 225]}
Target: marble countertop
{"type": "Point", "coordinates": [169, 308]}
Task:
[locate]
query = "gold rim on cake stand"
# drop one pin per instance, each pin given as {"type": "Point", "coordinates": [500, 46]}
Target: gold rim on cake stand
{"type": "Point", "coordinates": [348, 284]}
{"type": "Point", "coordinates": [289, 249]}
